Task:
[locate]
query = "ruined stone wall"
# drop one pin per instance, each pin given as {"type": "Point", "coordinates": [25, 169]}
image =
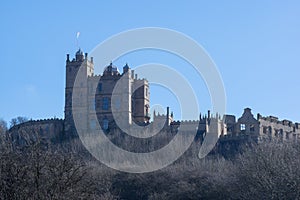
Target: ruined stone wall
{"type": "Point", "coordinates": [271, 127]}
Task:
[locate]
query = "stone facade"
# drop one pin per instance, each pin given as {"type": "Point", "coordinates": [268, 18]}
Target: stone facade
{"type": "Point", "coordinates": [260, 128]}
{"type": "Point", "coordinates": [47, 130]}
{"type": "Point", "coordinates": [133, 105]}
{"type": "Point", "coordinates": [130, 102]}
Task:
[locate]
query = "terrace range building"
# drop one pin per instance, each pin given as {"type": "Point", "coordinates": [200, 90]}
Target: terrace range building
{"type": "Point", "coordinates": [96, 94]}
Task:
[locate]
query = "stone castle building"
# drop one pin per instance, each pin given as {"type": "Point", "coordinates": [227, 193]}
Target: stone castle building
{"type": "Point", "coordinates": [96, 92]}
{"type": "Point", "coordinates": [260, 128]}
{"type": "Point", "coordinates": [132, 105]}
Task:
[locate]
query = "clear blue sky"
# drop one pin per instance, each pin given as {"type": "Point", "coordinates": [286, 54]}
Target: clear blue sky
{"type": "Point", "coordinates": [255, 44]}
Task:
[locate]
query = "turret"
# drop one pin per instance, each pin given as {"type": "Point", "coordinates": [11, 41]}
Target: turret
{"type": "Point", "coordinates": [86, 67]}
{"type": "Point", "coordinates": [111, 70]}
{"type": "Point", "coordinates": [126, 69]}
{"type": "Point", "coordinates": [79, 55]}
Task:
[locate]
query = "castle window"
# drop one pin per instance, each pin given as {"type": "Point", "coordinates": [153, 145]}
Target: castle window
{"type": "Point", "coordinates": [99, 87]}
{"type": "Point", "coordinates": [270, 130]}
{"type": "Point", "coordinates": [243, 127]}
{"type": "Point", "coordinates": [105, 103]}
{"type": "Point", "coordinates": [146, 92]}
{"type": "Point", "coordinates": [252, 128]}
{"type": "Point", "coordinates": [281, 133]}
{"type": "Point", "coordinates": [98, 103]}
{"type": "Point", "coordinates": [265, 130]}
{"type": "Point", "coordinates": [229, 129]}
{"type": "Point", "coordinates": [105, 124]}
{"type": "Point", "coordinates": [93, 124]}
{"type": "Point", "coordinates": [276, 133]}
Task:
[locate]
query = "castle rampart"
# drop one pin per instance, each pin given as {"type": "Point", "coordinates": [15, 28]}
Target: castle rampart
{"type": "Point", "coordinates": [34, 130]}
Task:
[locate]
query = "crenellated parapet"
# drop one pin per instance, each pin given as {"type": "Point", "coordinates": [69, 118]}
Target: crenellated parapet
{"type": "Point", "coordinates": [79, 57]}
{"type": "Point", "coordinates": [207, 124]}
{"type": "Point", "coordinates": [33, 130]}
{"type": "Point", "coordinates": [37, 122]}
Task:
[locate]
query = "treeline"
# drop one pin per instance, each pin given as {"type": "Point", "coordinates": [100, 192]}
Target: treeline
{"type": "Point", "coordinates": [13, 122]}
{"type": "Point", "coordinates": [37, 171]}
{"type": "Point", "coordinates": [46, 172]}
{"type": "Point", "coordinates": [264, 171]}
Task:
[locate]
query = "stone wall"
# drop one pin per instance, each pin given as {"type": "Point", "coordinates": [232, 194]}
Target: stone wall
{"type": "Point", "coordinates": [272, 127]}
{"type": "Point", "coordinates": [48, 130]}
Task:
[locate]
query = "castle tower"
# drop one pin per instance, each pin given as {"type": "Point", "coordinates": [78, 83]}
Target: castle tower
{"type": "Point", "coordinates": [98, 95]}
{"type": "Point", "coordinates": [106, 102]}
{"type": "Point", "coordinates": [72, 70]}
{"type": "Point", "coordinates": [122, 98]}
{"type": "Point", "coordinates": [140, 100]}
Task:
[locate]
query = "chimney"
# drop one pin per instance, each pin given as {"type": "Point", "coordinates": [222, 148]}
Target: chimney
{"type": "Point", "coordinates": [258, 116]}
{"type": "Point", "coordinates": [68, 57]}
{"type": "Point", "coordinates": [86, 55]}
{"type": "Point", "coordinates": [168, 114]}
{"type": "Point", "coordinates": [208, 114]}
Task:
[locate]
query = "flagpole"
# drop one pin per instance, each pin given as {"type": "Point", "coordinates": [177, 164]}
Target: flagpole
{"type": "Point", "coordinates": [77, 36]}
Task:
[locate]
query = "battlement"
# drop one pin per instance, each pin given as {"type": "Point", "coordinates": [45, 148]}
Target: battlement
{"type": "Point", "coordinates": [79, 57]}
{"type": "Point", "coordinates": [35, 122]}
{"type": "Point", "coordinates": [141, 79]}
{"type": "Point", "coordinates": [189, 121]}
{"type": "Point", "coordinates": [44, 130]}
{"type": "Point", "coordinates": [96, 76]}
{"type": "Point", "coordinates": [202, 119]}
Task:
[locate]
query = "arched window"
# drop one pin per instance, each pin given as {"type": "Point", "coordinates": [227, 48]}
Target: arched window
{"type": "Point", "coordinates": [105, 124]}
{"type": "Point", "coordinates": [105, 103]}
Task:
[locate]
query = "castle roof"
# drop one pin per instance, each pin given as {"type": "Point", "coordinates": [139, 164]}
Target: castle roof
{"type": "Point", "coordinates": [79, 52]}
{"type": "Point", "coordinates": [111, 69]}
{"type": "Point", "coordinates": [126, 66]}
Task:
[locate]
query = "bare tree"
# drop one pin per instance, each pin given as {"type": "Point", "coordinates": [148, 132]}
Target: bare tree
{"type": "Point", "coordinates": [39, 172]}
{"type": "Point", "coordinates": [268, 171]}
{"type": "Point", "coordinates": [18, 120]}
{"type": "Point", "coordinates": [3, 129]}
{"type": "Point", "coordinates": [3, 125]}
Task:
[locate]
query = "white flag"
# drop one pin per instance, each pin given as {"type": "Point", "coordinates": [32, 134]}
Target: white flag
{"type": "Point", "coordinates": [78, 33]}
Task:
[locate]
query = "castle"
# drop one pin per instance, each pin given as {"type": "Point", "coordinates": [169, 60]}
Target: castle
{"type": "Point", "coordinates": [132, 105]}
{"type": "Point", "coordinates": [96, 94]}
